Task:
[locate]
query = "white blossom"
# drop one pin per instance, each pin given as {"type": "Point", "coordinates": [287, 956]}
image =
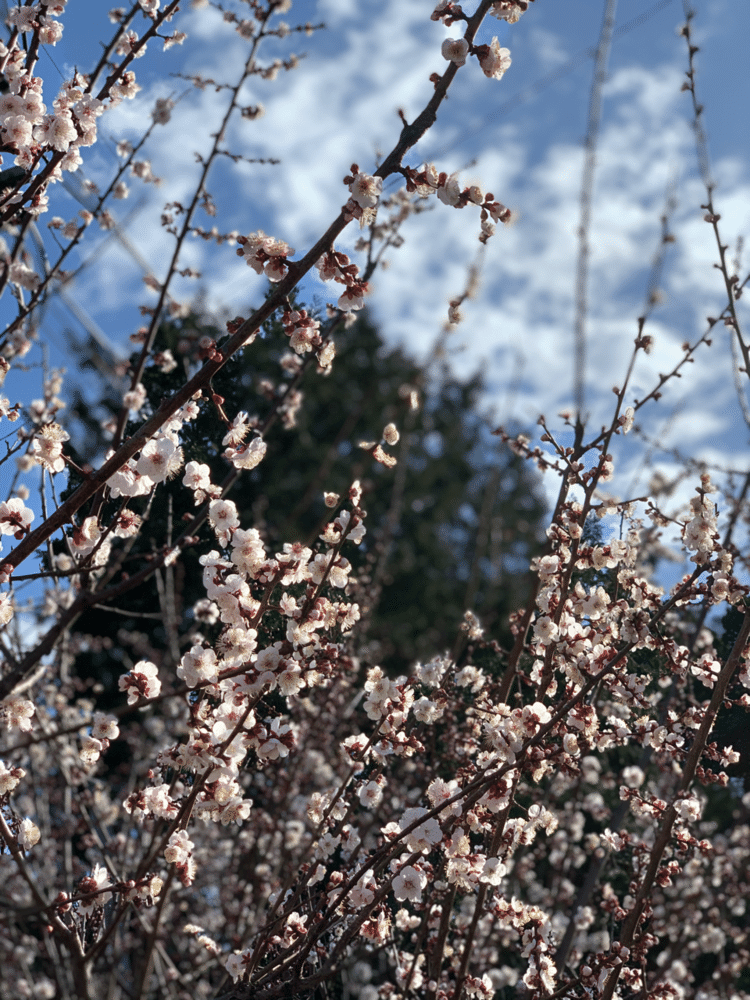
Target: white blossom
{"type": "Point", "coordinates": [495, 63]}
{"type": "Point", "coordinates": [455, 50]}
{"type": "Point", "coordinates": [28, 835]}
{"type": "Point", "coordinates": [409, 883]}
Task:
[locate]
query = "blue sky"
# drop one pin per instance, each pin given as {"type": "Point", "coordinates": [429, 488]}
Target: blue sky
{"type": "Point", "coordinates": [520, 138]}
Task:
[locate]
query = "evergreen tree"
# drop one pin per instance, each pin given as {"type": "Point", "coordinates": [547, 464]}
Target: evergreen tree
{"type": "Point", "coordinates": [448, 529]}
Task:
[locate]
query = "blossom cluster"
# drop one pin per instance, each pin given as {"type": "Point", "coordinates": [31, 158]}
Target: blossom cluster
{"type": "Point", "coordinates": [547, 812]}
{"type": "Point", "coordinates": [35, 133]}
{"type": "Point", "coordinates": [160, 459]}
{"type": "Point", "coordinates": [336, 266]}
{"type": "Point", "coordinates": [365, 194]}
{"type": "Point", "coordinates": [429, 181]}
{"type": "Point", "coordinates": [265, 254]}
{"type": "Point", "coordinates": [304, 334]}
{"type": "Point", "coordinates": [493, 58]}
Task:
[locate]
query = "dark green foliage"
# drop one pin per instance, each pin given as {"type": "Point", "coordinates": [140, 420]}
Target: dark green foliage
{"type": "Point", "coordinates": [733, 723]}
{"type": "Point", "coordinates": [452, 527]}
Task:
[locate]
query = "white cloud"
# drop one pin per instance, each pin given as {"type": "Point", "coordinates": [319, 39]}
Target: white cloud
{"type": "Point", "coordinates": [340, 106]}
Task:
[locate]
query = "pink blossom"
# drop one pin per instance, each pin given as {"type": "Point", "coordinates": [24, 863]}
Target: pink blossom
{"type": "Point", "coordinates": [17, 713]}
{"type": "Point", "coordinates": [15, 517]}
{"type": "Point", "coordinates": [57, 131]}
{"type": "Point", "coordinates": [197, 666]}
{"type": "Point", "coordinates": [496, 61]}
{"type": "Point", "coordinates": [141, 682]}
{"type": "Point", "coordinates": [178, 848]}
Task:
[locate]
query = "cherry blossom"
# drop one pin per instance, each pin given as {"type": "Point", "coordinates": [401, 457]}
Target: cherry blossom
{"type": "Point", "coordinates": [247, 456]}
{"type": "Point", "coordinates": [296, 786]}
{"type": "Point", "coordinates": [455, 50]}
{"type": "Point", "coordinates": [198, 665]}
{"type": "Point", "coordinates": [366, 190]}
{"type": "Point", "coordinates": [141, 682]}
{"type": "Point", "coordinates": [223, 516]}
{"type": "Point", "coordinates": [179, 847]}
{"type": "Point", "coordinates": [265, 254]}
{"type": "Point", "coordinates": [17, 713]}
{"type": "Point", "coordinates": [23, 276]}
{"type": "Point", "coordinates": [495, 61]}
{"type": "Point", "coordinates": [409, 884]}
{"type": "Point", "coordinates": [28, 835]}
{"type": "Point", "coordinates": [15, 517]}
{"type": "Point", "coordinates": [160, 459]}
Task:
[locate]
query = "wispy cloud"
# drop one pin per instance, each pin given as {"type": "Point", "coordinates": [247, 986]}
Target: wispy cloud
{"type": "Point", "coordinates": [341, 107]}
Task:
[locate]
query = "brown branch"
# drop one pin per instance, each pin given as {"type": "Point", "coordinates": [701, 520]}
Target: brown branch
{"type": "Point", "coordinates": [410, 135]}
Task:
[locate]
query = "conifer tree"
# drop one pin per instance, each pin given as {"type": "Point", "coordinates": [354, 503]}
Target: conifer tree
{"type": "Point", "coordinates": [450, 528]}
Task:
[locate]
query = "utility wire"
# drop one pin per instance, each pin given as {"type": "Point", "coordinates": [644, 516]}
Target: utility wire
{"type": "Point", "coordinates": [587, 197]}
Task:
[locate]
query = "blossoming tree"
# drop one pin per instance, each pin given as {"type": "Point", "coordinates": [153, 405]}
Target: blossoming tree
{"type": "Point", "coordinates": [282, 817]}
